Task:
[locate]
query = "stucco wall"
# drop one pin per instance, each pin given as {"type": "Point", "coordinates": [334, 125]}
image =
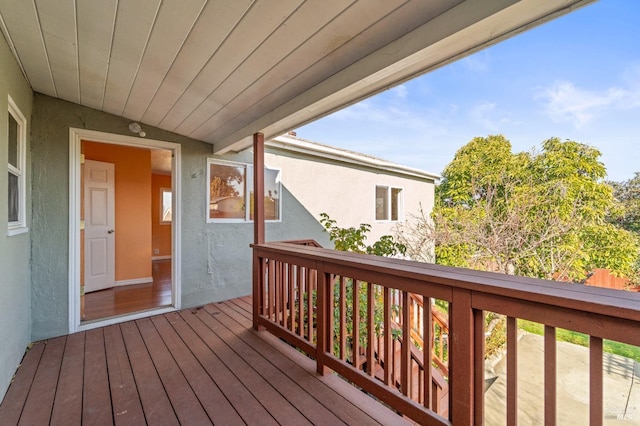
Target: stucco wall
{"type": "Point", "coordinates": [216, 258]}
{"type": "Point", "coordinates": [15, 297]}
{"type": "Point", "coordinates": [347, 192]}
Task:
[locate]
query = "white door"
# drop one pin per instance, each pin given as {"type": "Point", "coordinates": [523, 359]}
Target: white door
{"type": "Point", "coordinates": [99, 226]}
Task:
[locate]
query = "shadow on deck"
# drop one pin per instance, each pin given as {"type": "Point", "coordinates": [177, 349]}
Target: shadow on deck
{"type": "Point", "coordinates": [192, 367]}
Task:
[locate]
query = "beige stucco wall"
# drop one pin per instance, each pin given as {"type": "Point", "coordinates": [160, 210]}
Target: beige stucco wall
{"type": "Point", "coordinates": [346, 192]}
{"type": "Point", "coordinates": [15, 251]}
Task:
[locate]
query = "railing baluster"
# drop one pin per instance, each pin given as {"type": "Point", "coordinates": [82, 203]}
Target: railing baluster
{"type": "Point", "coordinates": [343, 318]}
{"type": "Point", "coordinates": [278, 290]}
{"type": "Point", "coordinates": [595, 382]}
{"type": "Point", "coordinates": [550, 375]}
{"type": "Point", "coordinates": [356, 324]}
{"type": "Point", "coordinates": [322, 311]}
{"type": "Point", "coordinates": [311, 286]}
{"type": "Point", "coordinates": [512, 371]}
{"type": "Point", "coordinates": [387, 335]}
{"type": "Point", "coordinates": [300, 280]}
{"type": "Point", "coordinates": [284, 293]}
{"type": "Point", "coordinates": [292, 305]}
{"type": "Point", "coordinates": [426, 350]}
{"type": "Point", "coordinates": [329, 313]}
{"type": "Point", "coordinates": [370, 328]}
{"type": "Point", "coordinates": [271, 283]}
{"type": "Point", "coordinates": [405, 361]}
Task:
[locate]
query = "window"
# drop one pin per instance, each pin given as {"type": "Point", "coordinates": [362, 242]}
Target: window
{"type": "Point", "coordinates": [388, 203]}
{"type": "Point", "coordinates": [16, 138]}
{"type": "Point", "coordinates": [230, 196]}
{"type": "Point", "coordinates": [165, 206]}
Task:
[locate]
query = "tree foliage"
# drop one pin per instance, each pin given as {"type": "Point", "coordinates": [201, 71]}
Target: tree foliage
{"type": "Point", "coordinates": [354, 239]}
{"type": "Point", "coordinates": [223, 181]}
{"type": "Point", "coordinates": [540, 214]}
{"type": "Point", "coordinates": [628, 194]}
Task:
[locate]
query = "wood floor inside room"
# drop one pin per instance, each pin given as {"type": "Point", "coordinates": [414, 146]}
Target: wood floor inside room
{"type": "Point", "coordinates": [132, 298]}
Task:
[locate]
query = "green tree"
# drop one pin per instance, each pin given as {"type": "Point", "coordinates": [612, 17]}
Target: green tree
{"type": "Point", "coordinates": [540, 214]}
{"type": "Point", "coordinates": [628, 194]}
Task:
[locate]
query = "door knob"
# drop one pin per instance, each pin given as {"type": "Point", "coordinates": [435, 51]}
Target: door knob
{"type": "Point", "coordinates": [111, 231]}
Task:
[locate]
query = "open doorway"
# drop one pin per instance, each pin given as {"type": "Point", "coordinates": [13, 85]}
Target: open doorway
{"type": "Point", "coordinates": [126, 195]}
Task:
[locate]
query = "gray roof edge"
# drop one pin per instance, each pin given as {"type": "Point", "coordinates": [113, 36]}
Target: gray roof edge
{"type": "Point", "coordinates": [292, 143]}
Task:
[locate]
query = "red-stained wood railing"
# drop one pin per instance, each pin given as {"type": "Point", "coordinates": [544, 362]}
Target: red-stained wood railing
{"type": "Point", "coordinates": [301, 295]}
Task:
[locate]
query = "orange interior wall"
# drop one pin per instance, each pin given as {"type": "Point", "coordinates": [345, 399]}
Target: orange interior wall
{"type": "Point", "coordinates": [161, 231]}
{"type": "Point", "coordinates": [133, 203]}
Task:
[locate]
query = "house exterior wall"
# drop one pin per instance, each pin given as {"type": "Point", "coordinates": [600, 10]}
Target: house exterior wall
{"type": "Point", "coordinates": [216, 257]}
{"type": "Point", "coordinates": [346, 192]}
{"type": "Point", "coordinates": [15, 297]}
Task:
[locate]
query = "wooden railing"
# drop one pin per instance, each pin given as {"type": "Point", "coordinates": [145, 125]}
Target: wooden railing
{"type": "Point", "coordinates": [314, 298]}
{"type": "Point", "coordinates": [439, 330]}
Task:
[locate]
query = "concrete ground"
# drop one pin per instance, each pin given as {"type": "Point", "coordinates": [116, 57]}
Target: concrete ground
{"type": "Point", "coordinates": [621, 386]}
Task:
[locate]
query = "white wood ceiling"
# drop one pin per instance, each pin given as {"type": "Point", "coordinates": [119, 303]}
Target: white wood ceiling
{"type": "Point", "coordinates": [220, 70]}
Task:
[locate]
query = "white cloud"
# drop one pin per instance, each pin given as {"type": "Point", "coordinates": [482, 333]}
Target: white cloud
{"type": "Point", "coordinates": [564, 102]}
{"type": "Point", "coordinates": [478, 62]}
{"type": "Point", "coordinates": [487, 115]}
{"type": "Point", "coordinates": [400, 91]}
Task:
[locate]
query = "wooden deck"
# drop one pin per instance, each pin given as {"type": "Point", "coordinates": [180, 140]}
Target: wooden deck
{"type": "Point", "coordinates": [193, 367]}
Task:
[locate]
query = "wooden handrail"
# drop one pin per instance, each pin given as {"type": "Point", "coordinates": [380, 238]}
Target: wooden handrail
{"type": "Point", "coordinates": [301, 294]}
{"type": "Point", "coordinates": [310, 243]}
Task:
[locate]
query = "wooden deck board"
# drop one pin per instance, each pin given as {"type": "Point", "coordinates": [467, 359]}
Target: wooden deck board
{"type": "Point", "coordinates": [127, 408]}
{"type": "Point", "coordinates": [184, 402]}
{"type": "Point", "coordinates": [155, 402]}
{"type": "Point", "coordinates": [13, 402]}
{"type": "Point", "coordinates": [37, 408]}
{"type": "Point", "coordinates": [196, 366]}
{"type": "Point", "coordinates": [96, 398]}
{"type": "Point", "coordinates": [67, 406]}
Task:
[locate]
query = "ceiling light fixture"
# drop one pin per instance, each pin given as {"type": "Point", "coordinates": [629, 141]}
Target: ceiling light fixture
{"type": "Point", "coordinates": [136, 128]}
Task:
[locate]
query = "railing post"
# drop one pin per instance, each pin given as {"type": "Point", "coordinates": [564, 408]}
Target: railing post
{"type": "Point", "coordinates": [322, 312]}
{"type": "Point", "coordinates": [461, 358]}
{"type": "Point", "coordinates": [258, 288]}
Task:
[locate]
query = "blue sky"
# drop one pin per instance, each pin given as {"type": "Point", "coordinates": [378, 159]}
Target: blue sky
{"type": "Point", "coordinates": [576, 77]}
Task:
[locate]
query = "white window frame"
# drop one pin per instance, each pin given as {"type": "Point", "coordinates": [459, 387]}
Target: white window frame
{"type": "Point", "coordinates": [161, 206]}
{"type": "Point", "coordinates": [248, 186]}
{"type": "Point", "coordinates": [19, 226]}
{"type": "Point", "coordinates": [389, 189]}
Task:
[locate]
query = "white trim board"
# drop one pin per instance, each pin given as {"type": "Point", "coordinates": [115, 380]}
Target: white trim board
{"type": "Point", "coordinates": [75, 138]}
{"type": "Point", "coordinates": [143, 280]}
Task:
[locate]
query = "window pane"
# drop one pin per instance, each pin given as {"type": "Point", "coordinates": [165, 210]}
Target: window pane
{"type": "Point", "coordinates": [272, 189]}
{"type": "Point", "coordinates": [271, 194]}
{"type": "Point", "coordinates": [382, 203]}
{"type": "Point", "coordinates": [13, 141]}
{"type": "Point", "coordinates": [166, 206]}
{"type": "Point", "coordinates": [226, 190]}
{"type": "Point", "coordinates": [14, 198]}
{"type": "Point", "coordinates": [396, 203]}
